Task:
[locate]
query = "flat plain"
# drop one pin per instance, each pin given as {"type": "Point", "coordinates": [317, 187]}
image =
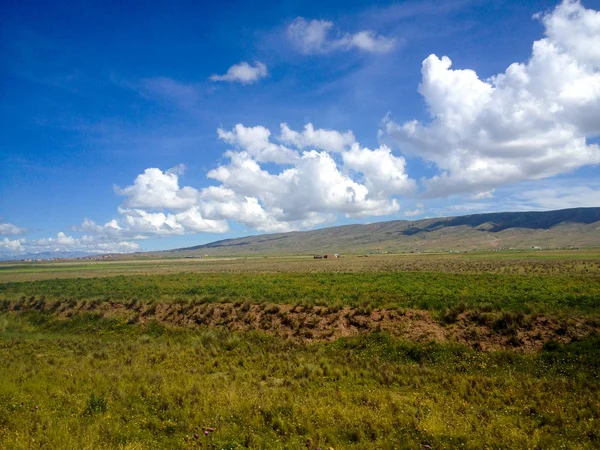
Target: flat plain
{"type": "Point", "coordinates": [472, 350]}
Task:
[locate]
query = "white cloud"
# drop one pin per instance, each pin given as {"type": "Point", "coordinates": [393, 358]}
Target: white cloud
{"type": "Point", "coordinates": [157, 189]}
{"type": "Point", "coordinates": [243, 174]}
{"type": "Point", "coordinates": [265, 186]}
{"type": "Point", "coordinates": [8, 229]}
{"type": "Point", "coordinates": [243, 73]}
{"type": "Point", "coordinates": [192, 221]}
{"type": "Point", "coordinates": [483, 195]}
{"type": "Point", "coordinates": [415, 212]}
{"type": "Point", "coordinates": [316, 184]}
{"type": "Point", "coordinates": [133, 223]}
{"type": "Point", "coordinates": [245, 210]}
{"type": "Point", "coordinates": [329, 140]}
{"type": "Point", "coordinates": [313, 37]}
{"type": "Point", "coordinates": [11, 246]}
{"type": "Point", "coordinates": [63, 243]}
{"type": "Point", "coordinates": [313, 190]}
{"type": "Point", "coordinates": [256, 142]}
{"type": "Point", "coordinates": [530, 122]}
{"type": "Point", "coordinates": [384, 173]}
{"type": "Point", "coordinates": [369, 42]}
{"type": "Point", "coordinates": [140, 222]}
{"type": "Point", "coordinates": [155, 206]}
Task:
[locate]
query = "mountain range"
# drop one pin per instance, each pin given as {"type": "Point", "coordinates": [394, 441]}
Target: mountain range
{"type": "Point", "coordinates": [577, 227]}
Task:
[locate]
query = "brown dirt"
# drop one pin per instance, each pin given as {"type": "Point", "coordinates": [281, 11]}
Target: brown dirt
{"type": "Point", "coordinates": [483, 331]}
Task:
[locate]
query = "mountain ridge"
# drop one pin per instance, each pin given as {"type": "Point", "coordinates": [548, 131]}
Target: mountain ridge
{"type": "Point", "coordinates": [553, 229]}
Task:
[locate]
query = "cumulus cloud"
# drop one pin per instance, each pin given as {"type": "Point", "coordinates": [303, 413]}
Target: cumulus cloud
{"type": "Point", "coordinates": [530, 122]}
{"type": "Point", "coordinates": [11, 246]}
{"type": "Point", "coordinates": [311, 188]}
{"type": "Point", "coordinates": [135, 223]}
{"type": "Point", "coordinates": [384, 174]}
{"type": "Point", "coordinates": [155, 206]}
{"type": "Point", "coordinates": [138, 222]}
{"type": "Point", "coordinates": [255, 141]}
{"type": "Point", "coordinates": [313, 37]}
{"type": "Point", "coordinates": [8, 229]}
{"type": "Point", "coordinates": [329, 140]}
{"type": "Point", "coordinates": [264, 185]}
{"type": "Point", "coordinates": [157, 189]}
{"type": "Point", "coordinates": [192, 221]}
{"type": "Point", "coordinates": [314, 185]}
{"type": "Point", "coordinates": [229, 204]}
{"type": "Point", "coordinates": [243, 73]}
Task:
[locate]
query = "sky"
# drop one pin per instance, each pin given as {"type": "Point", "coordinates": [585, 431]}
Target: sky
{"type": "Point", "coordinates": [132, 126]}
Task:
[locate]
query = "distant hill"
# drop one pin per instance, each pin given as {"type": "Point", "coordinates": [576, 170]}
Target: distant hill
{"type": "Point", "coordinates": [578, 227]}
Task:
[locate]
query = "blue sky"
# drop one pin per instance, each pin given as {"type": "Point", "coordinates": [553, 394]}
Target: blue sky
{"type": "Point", "coordinates": [155, 125]}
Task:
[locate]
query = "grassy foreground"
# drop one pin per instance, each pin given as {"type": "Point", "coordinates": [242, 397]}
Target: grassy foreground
{"type": "Point", "coordinates": [92, 382]}
{"type": "Point", "coordinates": [140, 355]}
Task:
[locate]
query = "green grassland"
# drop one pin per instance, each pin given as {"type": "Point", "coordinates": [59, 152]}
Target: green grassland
{"type": "Point", "coordinates": [437, 291]}
{"type": "Point", "coordinates": [78, 378]}
{"type": "Point", "coordinates": [92, 382]}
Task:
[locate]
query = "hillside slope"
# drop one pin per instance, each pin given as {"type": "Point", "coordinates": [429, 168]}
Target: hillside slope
{"type": "Point", "coordinates": [578, 227]}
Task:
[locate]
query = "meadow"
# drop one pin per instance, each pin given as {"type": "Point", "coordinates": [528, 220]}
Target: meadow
{"type": "Point", "coordinates": [295, 353]}
{"type": "Point", "coordinates": [549, 262]}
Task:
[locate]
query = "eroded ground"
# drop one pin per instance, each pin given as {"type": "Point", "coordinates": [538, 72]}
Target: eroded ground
{"type": "Point", "coordinates": [479, 329]}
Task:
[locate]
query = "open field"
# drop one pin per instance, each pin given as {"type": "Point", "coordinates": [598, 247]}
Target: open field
{"type": "Point", "coordinates": [544, 282]}
{"type": "Point", "coordinates": [546, 262]}
{"type": "Point", "coordinates": [447, 351]}
{"type": "Point", "coordinates": [422, 290]}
